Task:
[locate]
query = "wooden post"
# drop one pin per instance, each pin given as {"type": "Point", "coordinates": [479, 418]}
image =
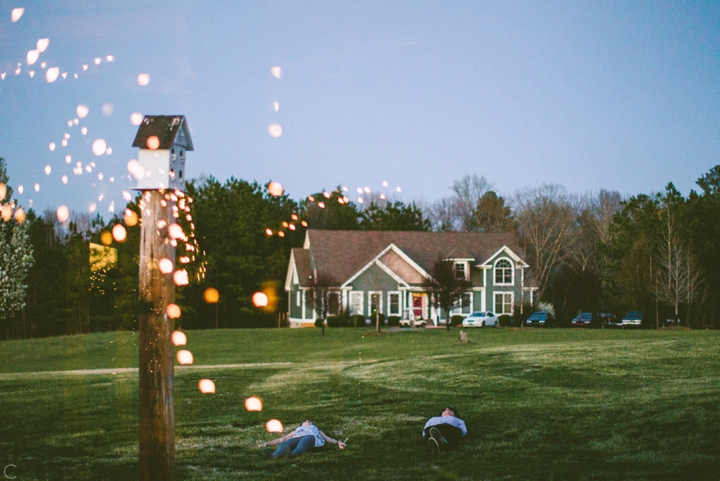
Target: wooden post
{"type": "Point", "coordinates": [157, 290]}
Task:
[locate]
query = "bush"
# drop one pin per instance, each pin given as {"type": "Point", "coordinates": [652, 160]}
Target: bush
{"type": "Point", "coordinates": [374, 316]}
{"type": "Point", "coordinates": [394, 321]}
{"type": "Point", "coordinates": [456, 319]}
{"type": "Point", "coordinates": [357, 320]}
{"type": "Point", "coordinates": [319, 322]}
{"type": "Point", "coordinates": [505, 320]}
{"type": "Point", "coordinates": [334, 321]}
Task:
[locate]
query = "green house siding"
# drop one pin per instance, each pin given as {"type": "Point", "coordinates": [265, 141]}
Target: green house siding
{"type": "Point", "coordinates": [374, 279]}
{"type": "Point", "coordinates": [295, 311]}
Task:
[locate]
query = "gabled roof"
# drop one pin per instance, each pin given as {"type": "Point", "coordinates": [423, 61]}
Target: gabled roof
{"type": "Point", "coordinates": [303, 266]}
{"type": "Point", "coordinates": [507, 251]}
{"type": "Point", "coordinates": [341, 254]}
{"type": "Point", "coordinates": [169, 129]}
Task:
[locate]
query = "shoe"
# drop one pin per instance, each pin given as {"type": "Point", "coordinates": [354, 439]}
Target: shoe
{"type": "Point", "coordinates": [433, 445]}
{"type": "Point", "coordinates": [266, 452]}
{"type": "Point", "coordinates": [435, 433]}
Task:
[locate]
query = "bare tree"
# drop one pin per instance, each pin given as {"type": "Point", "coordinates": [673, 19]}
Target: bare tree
{"type": "Point", "coordinates": [677, 278]}
{"type": "Point", "coordinates": [445, 287]}
{"type": "Point", "coordinates": [319, 295]}
{"type": "Point", "coordinates": [459, 211]}
{"type": "Point", "coordinates": [546, 220]}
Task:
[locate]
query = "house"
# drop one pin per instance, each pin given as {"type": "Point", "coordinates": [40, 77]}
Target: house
{"type": "Point", "coordinates": [385, 270]}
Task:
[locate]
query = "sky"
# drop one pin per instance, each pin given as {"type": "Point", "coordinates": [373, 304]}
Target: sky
{"type": "Point", "coordinates": [588, 94]}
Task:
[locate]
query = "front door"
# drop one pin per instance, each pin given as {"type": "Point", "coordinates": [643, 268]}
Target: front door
{"type": "Point", "coordinates": [418, 306]}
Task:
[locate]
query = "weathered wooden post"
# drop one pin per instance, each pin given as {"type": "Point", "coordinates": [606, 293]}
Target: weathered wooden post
{"type": "Point", "coordinates": [163, 141]}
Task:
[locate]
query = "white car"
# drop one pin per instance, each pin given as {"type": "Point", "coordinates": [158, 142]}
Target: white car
{"type": "Point", "coordinates": [481, 319]}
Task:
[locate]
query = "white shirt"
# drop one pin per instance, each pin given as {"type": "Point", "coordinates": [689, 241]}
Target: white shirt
{"type": "Point", "coordinates": [451, 420]}
{"type": "Point", "coordinates": [311, 430]}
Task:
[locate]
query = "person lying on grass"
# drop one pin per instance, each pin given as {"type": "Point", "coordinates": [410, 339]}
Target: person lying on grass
{"type": "Point", "coordinates": [444, 430]}
{"type": "Point", "coordinates": [305, 438]}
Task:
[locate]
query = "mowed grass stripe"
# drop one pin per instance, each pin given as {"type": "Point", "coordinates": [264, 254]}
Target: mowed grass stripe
{"type": "Point", "coordinates": [539, 405]}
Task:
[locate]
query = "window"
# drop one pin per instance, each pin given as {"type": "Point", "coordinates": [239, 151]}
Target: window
{"type": "Point", "coordinates": [504, 303]}
{"type": "Point", "coordinates": [461, 270]}
{"type": "Point", "coordinates": [463, 305]}
{"type": "Point", "coordinates": [333, 307]}
{"type": "Point", "coordinates": [356, 302]}
{"type": "Point", "coordinates": [503, 272]}
{"type": "Point", "coordinates": [394, 304]}
{"type": "Point", "coordinates": [374, 302]}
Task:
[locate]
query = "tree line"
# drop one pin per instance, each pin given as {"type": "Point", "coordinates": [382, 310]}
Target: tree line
{"type": "Point", "coordinates": [593, 252]}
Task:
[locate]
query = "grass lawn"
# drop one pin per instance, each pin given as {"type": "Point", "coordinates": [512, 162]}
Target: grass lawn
{"type": "Point", "coordinates": [539, 404]}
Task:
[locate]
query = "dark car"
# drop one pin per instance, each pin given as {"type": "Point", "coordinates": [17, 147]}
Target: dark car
{"type": "Point", "coordinates": [633, 319]}
{"type": "Point", "coordinates": [585, 319]}
{"type": "Point", "coordinates": [540, 319]}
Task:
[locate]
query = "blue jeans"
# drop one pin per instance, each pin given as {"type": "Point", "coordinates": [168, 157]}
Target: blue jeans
{"type": "Point", "coordinates": [296, 446]}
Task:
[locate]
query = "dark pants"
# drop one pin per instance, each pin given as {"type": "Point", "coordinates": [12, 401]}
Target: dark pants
{"type": "Point", "coordinates": [451, 434]}
{"type": "Point", "coordinates": [296, 446]}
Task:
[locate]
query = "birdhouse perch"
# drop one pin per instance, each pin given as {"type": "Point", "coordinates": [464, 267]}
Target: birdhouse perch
{"type": "Point", "coordinates": [163, 141]}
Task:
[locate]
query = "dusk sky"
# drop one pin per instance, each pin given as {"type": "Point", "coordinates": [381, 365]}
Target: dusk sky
{"type": "Point", "coordinates": [588, 94]}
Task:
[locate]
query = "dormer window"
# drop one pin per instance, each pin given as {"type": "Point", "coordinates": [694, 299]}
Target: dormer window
{"type": "Point", "coordinates": [461, 270]}
{"type": "Point", "coordinates": [503, 272]}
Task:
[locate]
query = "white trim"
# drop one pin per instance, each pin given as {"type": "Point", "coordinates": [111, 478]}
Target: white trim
{"type": "Point", "coordinates": [512, 272]}
{"type": "Point", "coordinates": [509, 252]}
{"type": "Point", "coordinates": [512, 302]}
{"type": "Point", "coordinates": [298, 298]}
{"type": "Point", "coordinates": [369, 299]}
{"type": "Point", "coordinates": [389, 272]}
{"type": "Point", "coordinates": [306, 243]}
{"type": "Point", "coordinates": [397, 293]}
{"type": "Point", "coordinates": [291, 272]}
{"type": "Point", "coordinates": [362, 302]}
{"type": "Point", "coordinates": [395, 249]}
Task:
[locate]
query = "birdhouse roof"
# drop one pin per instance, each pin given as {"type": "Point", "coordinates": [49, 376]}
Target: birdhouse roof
{"type": "Point", "coordinates": [167, 128]}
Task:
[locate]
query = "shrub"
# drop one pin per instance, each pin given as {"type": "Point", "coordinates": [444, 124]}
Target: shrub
{"type": "Point", "coordinates": [393, 321]}
{"type": "Point", "coordinates": [374, 316]}
{"type": "Point", "coordinates": [505, 320]}
{"type": "Point", "coordinates": [456, 319]}
{"type": "Point", "coordinates": [319, 322]}
{"type": "Point", "coordinates": [334, 321]}
{"type": "Point", "coordinates": [357, 320]}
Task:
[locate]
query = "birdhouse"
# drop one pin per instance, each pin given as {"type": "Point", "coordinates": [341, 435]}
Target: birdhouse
{"type": "Point", "coordinates": [163, 141]}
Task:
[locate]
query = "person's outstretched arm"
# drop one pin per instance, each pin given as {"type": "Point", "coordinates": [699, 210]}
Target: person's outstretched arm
{"type": "Point", "coordinates": [278, 440]}
{"type": "Point", "coordinates": [330, 440]}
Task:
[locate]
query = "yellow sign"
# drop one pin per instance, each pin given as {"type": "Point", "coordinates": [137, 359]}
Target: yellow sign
{"type": "Point", "coordinates": [101, 257]}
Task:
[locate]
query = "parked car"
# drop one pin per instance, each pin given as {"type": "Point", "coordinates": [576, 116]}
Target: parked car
{"type": "Point", "coordinates": [412, 323]}
{"type": "Point", "coordinates": [607, 319]}
{"type": "Point", "coordinates": [584, 319]}
{"type": "Point", "coordinates": [633, 319]}
{"type": "Point", "coordinates": [481, 319]}
{"type": "Point", "coordinates": [540, 319]}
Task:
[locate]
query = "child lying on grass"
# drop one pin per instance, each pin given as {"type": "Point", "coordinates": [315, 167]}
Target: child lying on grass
{"type": "Point", "coordinates": [305, 438]}
{"type": "Point", "coordinates": [444, 430]}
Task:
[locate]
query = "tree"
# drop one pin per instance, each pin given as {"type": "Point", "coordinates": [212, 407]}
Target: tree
{"type": "Point", "coordinates": [393, 216]}
{"type": "Point", "coordinates": [459, 211]}
{"type": "Point", "coordinates": [492, 215]}
{"type": "Point", "coordinates": [319, 295]}
{"type": "Point", "coordinates": [15, 259]}
{"type": "Point", "coordinates": [330, 211]}
{"type": "Point", "coordinates": [546, 221]}
{"type": "Point", "coordinates": [444, 286]}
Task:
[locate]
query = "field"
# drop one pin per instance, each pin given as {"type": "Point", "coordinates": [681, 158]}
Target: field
{"type": "Point", "coordinates": [540, 404]}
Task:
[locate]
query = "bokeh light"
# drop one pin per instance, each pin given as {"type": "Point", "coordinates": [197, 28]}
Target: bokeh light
{"type": "Point", "coordinates": [275, 189]}
{"type": "Point", "coordinates": [275, 130]}
{"type": "Point", "coordinates": [166, 266]}
{"type": "Point", "coordinates": [178, 338]}
{"type": "Point", "coordinates": [181, 278]}
{"type": "Point", "coordinates": [82, 111]}
{"type": "Point", "coordinates": [16, 14]}
{"type": "Point", "coordinates": [6, 212]}
{"type": "Point", "coordinates": [206, 386]}
{"type": "Point", "coordinates": [63, 213]}
{"type": "Point", "coordinates": [143, 79]}
{"type": "Point", "coordinates": [119, 233]}
{"type": "Point", "coordinates": [260, 299]}
{"type": "Point", "coordinates": [3, 191]}
{"type": "Point", "coordinates": [211, 295]}
{"type": "Point", "coordinates": [32, 56]}
{"type": "Point", "coordinates": [131, 218]}
{"type": "Point", "coordinates": [136, 118]}
{"type": "Point", "coordinates": [99, 147]}
{"type": "Point", "coordinates": [20, 215]}
{"type": "Point", "coordinates": [135, 169]}
{"type": "Point", "coordinates": [274, 426]}
{"type": "Point", "coordinates": [107, 109]}
{"type": "Point", "coordinates": [173, 311]}
{"type": "Point", "coordinates": [175, 231]}
{"type": "Point", "coordinates": [106, 237]}
{"type": "Point", "coordinates": [276, 71]}
{"type": "Point", "coordinates": [48, 169]}
{"type": "Point", "coordinates": [184, 357]}
{"type": "Point", "coordinates": [52, 74]}
{"type": "Point", "coordinates": [153, 143]}
{"type": "Point", "coordinates": [253, 404]}
{"type": "Point", "coordinates": [42, 44]}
